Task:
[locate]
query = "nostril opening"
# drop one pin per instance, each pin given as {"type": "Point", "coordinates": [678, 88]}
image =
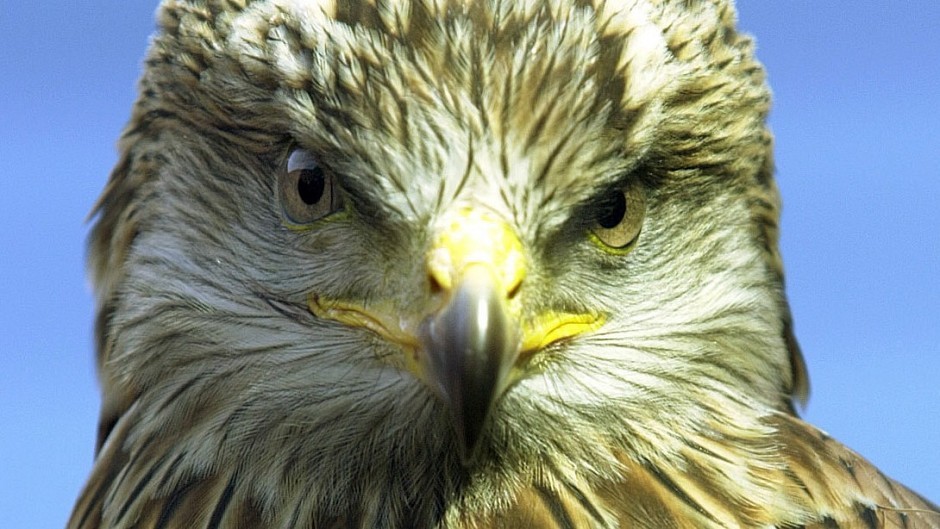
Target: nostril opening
{"type": "Point", "coordinates": [434, 285]}
{"type": "Point", "coordinates": [514, 290]}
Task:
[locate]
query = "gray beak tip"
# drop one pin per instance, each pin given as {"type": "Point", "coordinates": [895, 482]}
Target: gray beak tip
{"type": "Point", "coordinates": [471, 344]}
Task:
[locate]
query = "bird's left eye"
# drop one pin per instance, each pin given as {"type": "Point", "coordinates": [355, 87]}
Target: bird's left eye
{"type": "Point", "coordinates": [619, 218]}
{"type": "Point", "coordinates": [307, 191]}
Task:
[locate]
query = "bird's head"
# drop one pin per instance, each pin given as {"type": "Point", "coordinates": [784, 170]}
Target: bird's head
{"type": "Point", "coordinates": [401, 239]}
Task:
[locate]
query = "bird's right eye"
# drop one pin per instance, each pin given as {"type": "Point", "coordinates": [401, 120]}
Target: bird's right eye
{"type": "Point", "coordinates": [307, 191]}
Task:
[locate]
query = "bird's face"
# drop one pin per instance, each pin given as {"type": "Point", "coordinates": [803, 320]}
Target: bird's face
{"type": "Point", "coordinates": [467, 242]}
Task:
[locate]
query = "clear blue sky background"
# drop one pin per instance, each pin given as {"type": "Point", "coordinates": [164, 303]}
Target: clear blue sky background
{"type": "Point", "coordinates": [857, 121]}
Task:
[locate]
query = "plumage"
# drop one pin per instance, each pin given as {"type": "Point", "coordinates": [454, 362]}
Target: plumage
{"type": "Point", "coordinates": [456, 264]}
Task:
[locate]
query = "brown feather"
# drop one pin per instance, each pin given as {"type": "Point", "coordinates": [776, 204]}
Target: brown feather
{"type": "Point", "coordinates": [227, 404]}
{"type": "Point", "coordinates": [830, 486]}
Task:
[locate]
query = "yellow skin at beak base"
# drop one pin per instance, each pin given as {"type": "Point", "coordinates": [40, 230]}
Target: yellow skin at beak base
{"type": "Point", "coordinates": [476, 236]}
{"type": "Point", "coordinates": [469, 237]}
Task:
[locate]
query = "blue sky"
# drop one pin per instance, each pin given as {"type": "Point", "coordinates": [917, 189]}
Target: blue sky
{"type": "Point", "coordinates": [857, 122]}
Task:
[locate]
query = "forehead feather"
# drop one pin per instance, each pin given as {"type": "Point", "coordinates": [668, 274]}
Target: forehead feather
{"type": "Point", "coordinates": [447, 81]}
{"type": "Point", "coordinates": [554, 95]}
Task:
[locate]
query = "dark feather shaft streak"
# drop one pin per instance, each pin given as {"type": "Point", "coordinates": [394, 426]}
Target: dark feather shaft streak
{"type": "Point", "coordinates": [234, 399]}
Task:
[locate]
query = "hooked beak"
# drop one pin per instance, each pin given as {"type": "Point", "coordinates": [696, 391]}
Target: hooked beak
{"type": "Point", "coordinates": [472, 347]}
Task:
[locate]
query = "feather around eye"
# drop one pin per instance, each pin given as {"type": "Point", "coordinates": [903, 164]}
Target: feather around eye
{"type": "Point", "coordinates": [307, 192]}
{"type": "Point", "coordinates": [619, 219]}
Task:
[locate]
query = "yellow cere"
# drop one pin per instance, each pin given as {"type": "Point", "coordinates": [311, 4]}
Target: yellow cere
{"type": "Point", "coordinates": [468, 237]}
{"type": "Point", "coordinates": [476, 236]}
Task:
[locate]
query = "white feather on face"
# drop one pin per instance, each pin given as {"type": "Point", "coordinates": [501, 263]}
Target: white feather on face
{"type": "Point", "coordinates": [218, 378]}
{"type": "Point", "coordinates": [535, 122]}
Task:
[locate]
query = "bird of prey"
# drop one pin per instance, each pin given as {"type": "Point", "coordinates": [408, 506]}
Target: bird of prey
{"type": "Point", "coordinates": [455, 264]}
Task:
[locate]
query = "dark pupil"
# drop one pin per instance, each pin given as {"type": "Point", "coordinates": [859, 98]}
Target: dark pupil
{"type": "Point", "coordinates": [613, 211]}
{"type": "Point", "coordinates": [310, 185]}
